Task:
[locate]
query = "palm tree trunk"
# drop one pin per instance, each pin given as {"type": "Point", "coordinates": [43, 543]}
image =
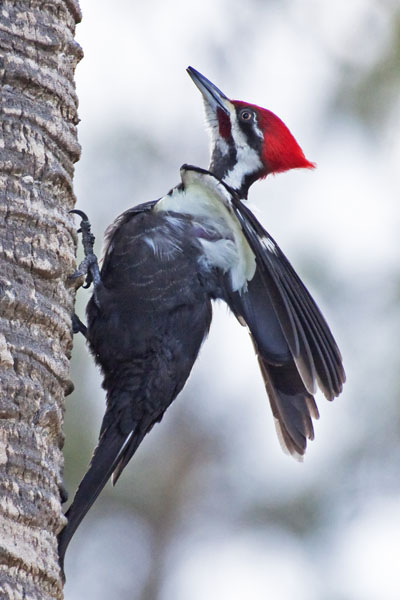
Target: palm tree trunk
{"type": "Point", "coordinates": [38, 148]}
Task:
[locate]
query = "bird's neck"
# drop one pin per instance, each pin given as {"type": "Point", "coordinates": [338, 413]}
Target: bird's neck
{"type": "Point", "coordinates": [236, 167]}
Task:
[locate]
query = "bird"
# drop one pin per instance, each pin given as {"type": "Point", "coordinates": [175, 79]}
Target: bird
{"type": "Point", "coordinates": [165, 263]}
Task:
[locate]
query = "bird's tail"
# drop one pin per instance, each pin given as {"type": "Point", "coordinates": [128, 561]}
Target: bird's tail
{"type": "Point", "coordinates": [292, 405]}
{"type": "Point", "coordinates": [108, 454]}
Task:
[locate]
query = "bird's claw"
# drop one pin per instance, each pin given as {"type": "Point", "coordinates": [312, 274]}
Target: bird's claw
{"type": "Point", "coordinates": [78, 326]}
{"type": "Point", "coordinates": [89, 266]}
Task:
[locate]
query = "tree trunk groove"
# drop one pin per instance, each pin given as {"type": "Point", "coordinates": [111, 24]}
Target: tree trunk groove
{"type": "Point", "coordinates": [38, 148]}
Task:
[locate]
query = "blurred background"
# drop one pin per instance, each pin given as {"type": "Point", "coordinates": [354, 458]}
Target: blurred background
{"type": "Point", "coordinates": [210, 507]}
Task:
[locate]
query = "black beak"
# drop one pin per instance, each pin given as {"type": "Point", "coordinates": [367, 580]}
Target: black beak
{"type": "Point", "coordinates": [211, 94]}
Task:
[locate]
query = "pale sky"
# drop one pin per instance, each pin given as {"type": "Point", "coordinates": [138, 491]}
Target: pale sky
{"type": "Point", "coordinates": [286, 56]}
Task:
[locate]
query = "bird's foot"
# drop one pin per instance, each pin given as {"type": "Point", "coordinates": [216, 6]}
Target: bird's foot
{"type": "Point", "coordinates": [78, 326]}
{"type": "Point", "coordinates": [89, 267]}
{"type": "Point", "coordinates": [63, 493]}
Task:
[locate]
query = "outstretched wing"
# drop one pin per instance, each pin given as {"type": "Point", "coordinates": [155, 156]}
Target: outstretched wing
{"type": "Point", "coordinates": [295, 347]}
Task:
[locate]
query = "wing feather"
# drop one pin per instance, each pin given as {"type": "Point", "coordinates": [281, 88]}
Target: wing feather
{"type": "Point", "coordinates": [310, 340]}
{"type": "Point", "coordinates": [295, 347]}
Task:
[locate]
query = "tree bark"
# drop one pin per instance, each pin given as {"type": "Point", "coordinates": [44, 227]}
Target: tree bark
{"type": "Point", "coordinates": [38, 147]}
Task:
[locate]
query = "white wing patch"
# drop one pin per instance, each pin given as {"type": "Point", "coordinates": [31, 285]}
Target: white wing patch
{"type": "Point", "coordinates": [220, 253]}
{"type": "Point", "coordinates": [207, 201]}
{"type": "Point", "coordinates": [268, 244]}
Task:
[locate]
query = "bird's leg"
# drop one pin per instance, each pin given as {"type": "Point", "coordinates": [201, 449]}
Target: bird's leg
{"type": "Point", "coordinates": [89, 267]}
{"type": "Point", "coordinates": [63, 492]}
{"type": "Point", "coordinates": [78, 326]}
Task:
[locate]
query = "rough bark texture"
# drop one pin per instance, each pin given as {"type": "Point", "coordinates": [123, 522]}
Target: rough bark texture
{"type": "Point", "coordinates": [38, 147]}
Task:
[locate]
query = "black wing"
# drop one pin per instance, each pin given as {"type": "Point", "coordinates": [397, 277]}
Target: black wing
{"type": "Point", "coordinates": [295, 347]}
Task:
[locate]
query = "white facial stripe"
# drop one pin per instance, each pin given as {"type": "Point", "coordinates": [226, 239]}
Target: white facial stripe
{"type": "Point", "coordinates": [247, 163]}
{"type": "Point", "coordinates": [222, 146]}
{"type": "Point", "coordinates": [211, 119]}
{"type": "Point", "coordinates": [248, 160]}
{"type": "Point", "coordinates": [257, 129]}
{"type": "Point", "coordinates": [213, 125]}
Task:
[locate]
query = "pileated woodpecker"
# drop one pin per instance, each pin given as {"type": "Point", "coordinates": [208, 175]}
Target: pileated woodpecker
{"type": "Point", "coordinates": [164, 263]}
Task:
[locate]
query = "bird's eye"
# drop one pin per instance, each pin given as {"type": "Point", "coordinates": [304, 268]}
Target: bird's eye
{"type": "Point", "coordinates": [245, 115]}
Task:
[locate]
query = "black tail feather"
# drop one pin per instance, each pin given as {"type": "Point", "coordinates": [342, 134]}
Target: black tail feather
{"type": "Point", "coordinates": [130, 446]}
{"type": "Point", "coordinates": [292, 405]}
{"type": "Point", "coordinates": [105, 458]}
